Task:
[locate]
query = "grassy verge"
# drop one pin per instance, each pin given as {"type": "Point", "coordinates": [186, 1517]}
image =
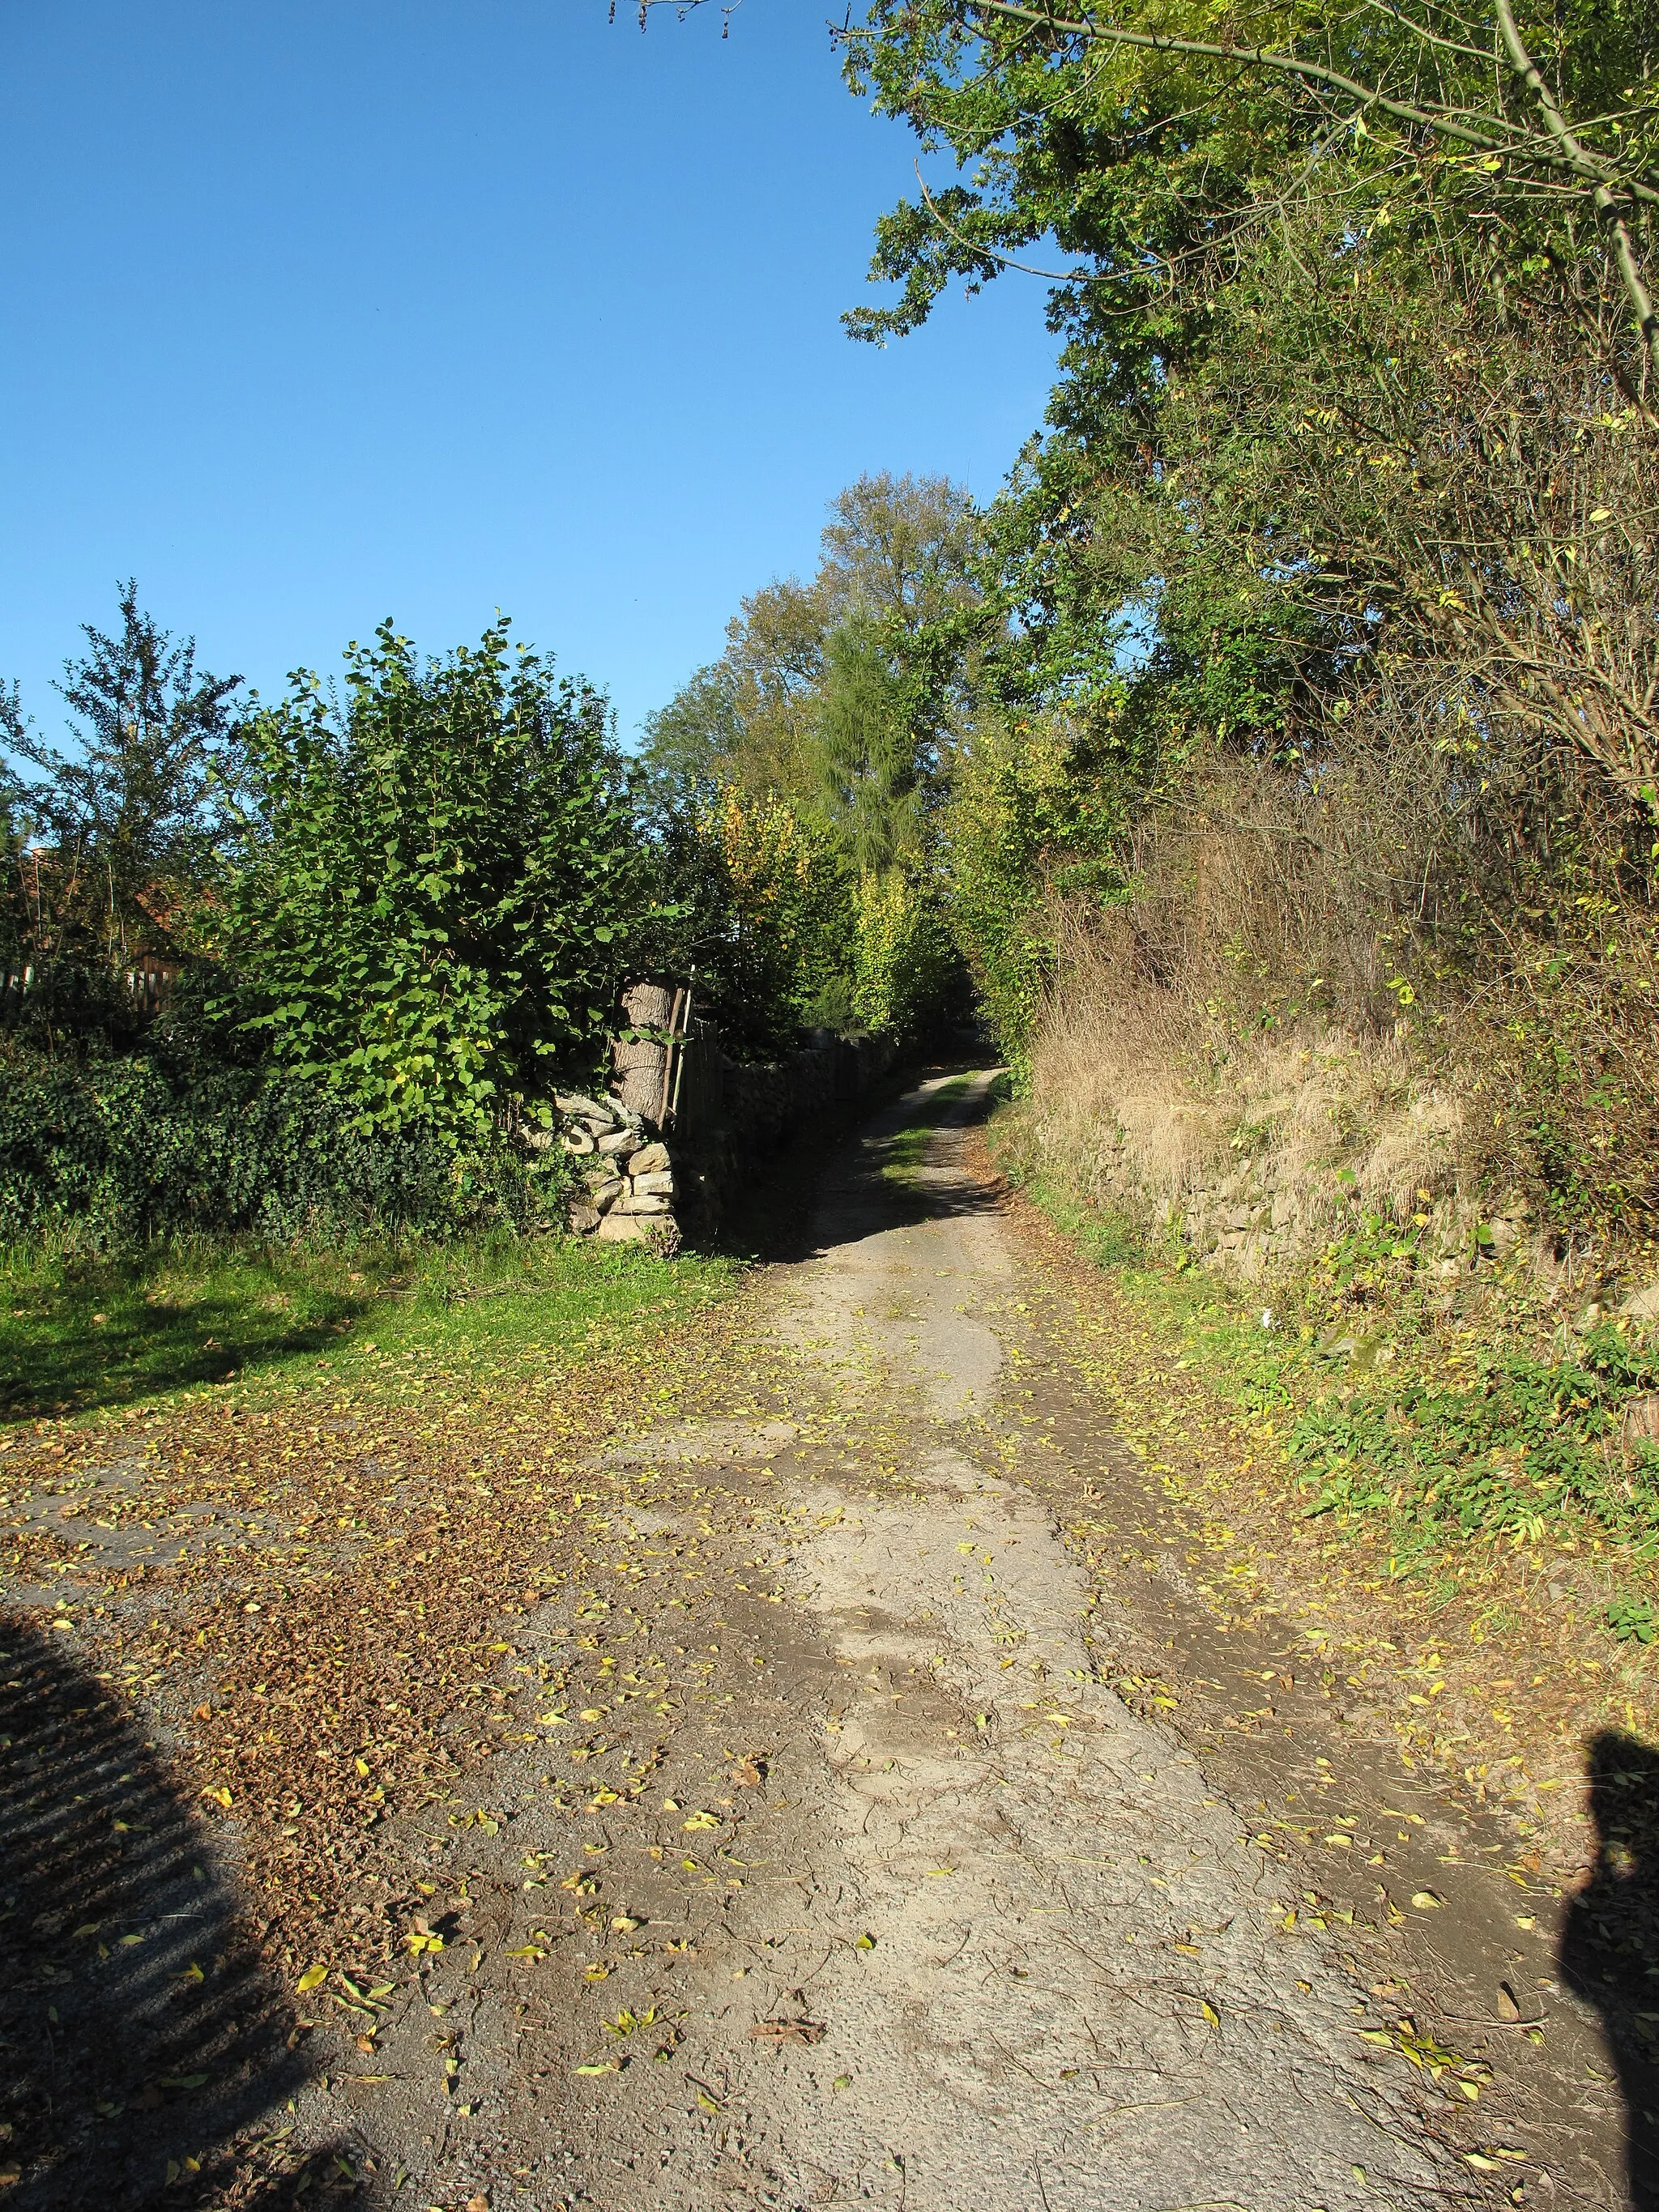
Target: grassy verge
{"type": "Point", "coordinates": [77, 1335]}
{"type": "Point", "coordinates": [1453, 1506]}
{"type": "Point", "coordinates": [1441, 1435]}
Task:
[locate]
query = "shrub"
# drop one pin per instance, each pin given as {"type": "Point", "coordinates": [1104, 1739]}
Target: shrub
{"type": "Point", "coordinates": [907, 971]}
{"type": "Point", "coordinates": [787, 955]}
{"type": "Point", "coordinates": [112, 1153]}
{"type": "Point", "coordinates": [1031, 822]}
{"type": "Point", "coordinates": [437, 887]}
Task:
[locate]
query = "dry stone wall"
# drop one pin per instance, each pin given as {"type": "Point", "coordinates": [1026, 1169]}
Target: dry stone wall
{"type": "Point", "coordinates": [626, 1186]}
{"type": "Point", "coordinates": [683, 1124]}
{"type": "Point", "coordinates": [1268, 1216]}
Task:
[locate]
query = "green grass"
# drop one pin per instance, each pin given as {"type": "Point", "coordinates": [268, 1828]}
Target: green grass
{"type": "Point", "coordinates": [78, 1335]}
{"type": "Point", "coordinates": [1477, 1435]}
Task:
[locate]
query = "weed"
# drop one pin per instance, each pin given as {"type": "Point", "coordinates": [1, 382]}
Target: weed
{"type": "Point", "coordinates": [907, 1150]}
{"type": "Point", "coordinates": [1633, 1619]}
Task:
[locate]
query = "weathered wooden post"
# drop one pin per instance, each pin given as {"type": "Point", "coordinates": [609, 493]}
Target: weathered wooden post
{"type": "Point", "coordinates": [642, 1064]}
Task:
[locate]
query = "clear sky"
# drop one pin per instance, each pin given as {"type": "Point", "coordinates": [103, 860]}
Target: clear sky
{"type": "Point", "coordinates": [318, 311]}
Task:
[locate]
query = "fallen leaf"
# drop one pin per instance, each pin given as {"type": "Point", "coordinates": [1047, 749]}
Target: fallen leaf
{"type": "Point", "coordinates": [781, 2032]}
{"type": "Point", "coordinates": [312, 1979]}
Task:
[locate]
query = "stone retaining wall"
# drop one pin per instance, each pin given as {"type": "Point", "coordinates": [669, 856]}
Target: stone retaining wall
{"type": "Point", "coordinates": [684, 1122]}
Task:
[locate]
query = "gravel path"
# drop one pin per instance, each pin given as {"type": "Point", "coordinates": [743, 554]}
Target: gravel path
{"type": "Point", "coordinates": [892, 1860]}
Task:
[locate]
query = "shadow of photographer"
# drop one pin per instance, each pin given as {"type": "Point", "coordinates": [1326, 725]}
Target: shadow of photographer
{"type": "Point", "coordinates": [1610, 1942]}
{"type": "Point", "coordinates": [142, 2036]}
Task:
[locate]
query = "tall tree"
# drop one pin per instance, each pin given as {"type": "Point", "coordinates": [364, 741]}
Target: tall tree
{"type": "Point", "coordinates": [131, 817]}
{"type": "Point", "coordinates": [863, 753]}
{"type": "Point", "coordinates": [898, 559]}
{"type": "Point", "coordinates": [902, 547]}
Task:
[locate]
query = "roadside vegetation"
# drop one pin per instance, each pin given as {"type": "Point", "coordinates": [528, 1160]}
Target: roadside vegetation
{"type": "Point", "coordinates": [1290, 767]}
{"type": "Point", "coordinates": [287, 992]}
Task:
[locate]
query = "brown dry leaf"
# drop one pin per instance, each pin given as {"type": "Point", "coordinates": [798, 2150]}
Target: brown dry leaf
{"type": "Point", "coordinates": [779, 2031]}
{"type": "Point", "coordinates": [1507, 2007]}
{"type": "Point", "coordinates": [749, 1773]}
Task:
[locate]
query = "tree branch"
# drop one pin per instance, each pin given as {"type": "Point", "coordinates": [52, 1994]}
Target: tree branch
{"type": "Point", "coordinates": [1446, 122]}
{"type": "Point", "coordinates": [1607, 208]}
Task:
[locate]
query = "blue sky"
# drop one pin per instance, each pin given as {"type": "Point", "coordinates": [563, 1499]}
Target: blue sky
{"type": "Point", "coordinates": [318, 311]}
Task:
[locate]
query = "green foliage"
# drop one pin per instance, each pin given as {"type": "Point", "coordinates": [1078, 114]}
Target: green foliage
{"type": "Point", "coordinates": [1149, 140]}
{"type": "Point", "coordinates": [1337, 534]}
{"type": "Point", "coordinates": [906, 1151]}
{"type": "Point", "coordinates": [907, 972]}
{"type": "Point", "coordinates": [15, 917]}
{"type": "Point", "coordinates": [1633, 1619]}
{"type": "Point", "coordinates": [897, 576]}
{"type": "Point", "coordinates": [435, 893]}
{"type": "Point", "coordinates": [786, 959]}
{"type": "Point", "coordinates": [794, 786]}
{"type": "Point", "coordinates": [1505, 1445]}
{"type": "Point", "coordinates": [1524, 1444]}
{"type": "Point", "coordinates": [687, 740]}
{"type": "Point", "coordinates": [78, 1332]}
{"type": "Point", "coordinates": [862, 750]}
{"type": "Point", "coordinates": [108, 1155]}
{"type": "Point", "coordinates": [1033, 824]}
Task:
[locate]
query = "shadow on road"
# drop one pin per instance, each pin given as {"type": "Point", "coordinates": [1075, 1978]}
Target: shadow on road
{"type": "Point", "coordinates": [140, 2031]}
{"type": "Point", "coordinates": [874, 1179]}
{"type": "Point", "coordinates": [1610, 1943]}
{"type": "Point", "coordinates": [772, 1211]}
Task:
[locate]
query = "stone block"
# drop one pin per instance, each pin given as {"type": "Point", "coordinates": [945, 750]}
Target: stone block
{"type": "Point", "coordinates": [623, 1228]}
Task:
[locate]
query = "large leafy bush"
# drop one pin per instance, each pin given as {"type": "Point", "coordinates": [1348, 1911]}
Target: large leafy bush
{"type": "Point", "coordinates": [907, 974]}
{"type": "Point", "coordinates": [437, 883]}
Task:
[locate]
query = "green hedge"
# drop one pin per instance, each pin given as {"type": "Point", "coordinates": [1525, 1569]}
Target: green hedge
{"type": "Point", "coordinates": [112, 1153]}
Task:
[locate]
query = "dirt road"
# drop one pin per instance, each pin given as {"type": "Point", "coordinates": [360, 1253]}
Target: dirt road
{"type": "Point", "coordinates": [958, 1877]}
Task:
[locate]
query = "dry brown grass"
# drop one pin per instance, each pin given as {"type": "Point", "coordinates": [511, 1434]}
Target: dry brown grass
{"type": "Point", "coordinates": [1311, 978]}
{"type": "Point", "coordinates": [1194, 1027]}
